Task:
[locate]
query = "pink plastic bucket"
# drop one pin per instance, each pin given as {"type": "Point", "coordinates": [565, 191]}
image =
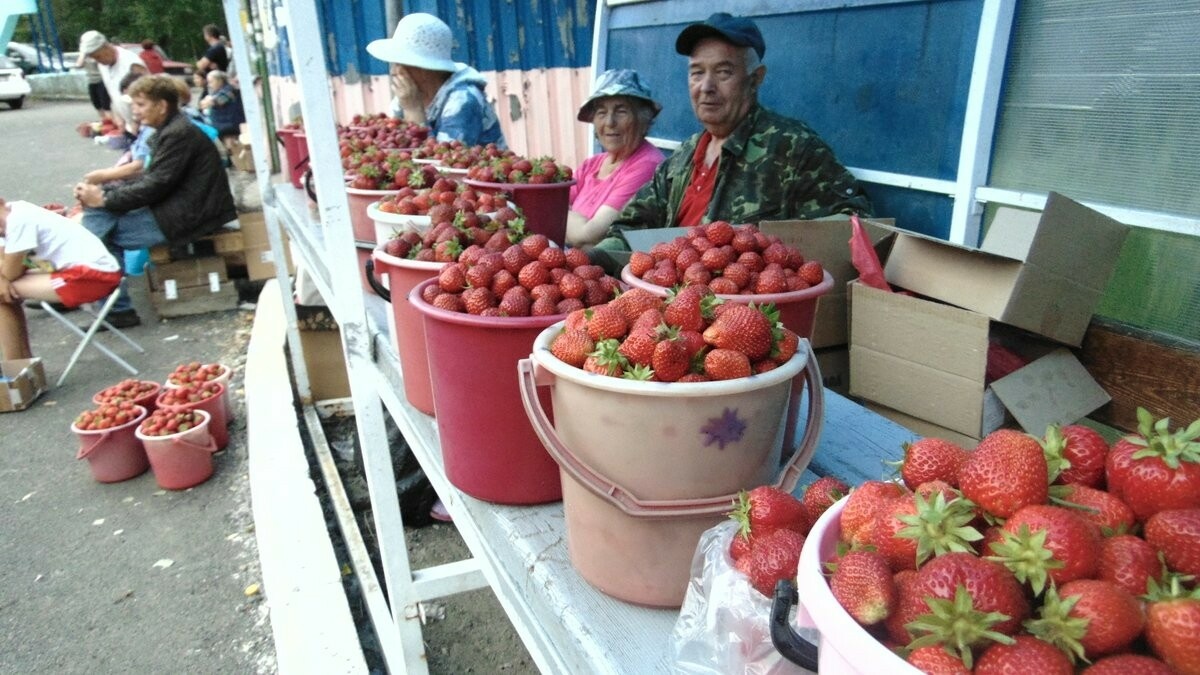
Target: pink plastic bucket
{"type": "Point", "coordinates": [360, 221]}
{"type": "Point", "coordinates": [217, 410]}
{"type": "Point", "coordinates": [145, 400]}
{"type": "Point", "coordinates": [408, 325]}
{"type": "Point", "coordinates": [295, 151]}
{"type": "Point", "coordinates": [648, 466]}
{"type": "Point", "coordinates": [489, 448]}
{"type": "Point", "coordinates": [223, 380]}
{"type": "Point", "coordinates": [846, 648]}
{"type": "Point", "coordinates": [181, 460]}
{"type": "Point", "coordinates": [113, 454]}
{"type": "Point", "coordinates": [544, 205]}
{"type": "Point", "coordinates": [364, 249]}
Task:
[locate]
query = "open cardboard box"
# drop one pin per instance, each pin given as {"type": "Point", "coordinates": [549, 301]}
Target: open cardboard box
{"type": "Point", "coordinates": [23, 380]}
{"type": "Point", "coordinates": [928, 360]}
{"type": "Point", "coordinates": [1044, 272]}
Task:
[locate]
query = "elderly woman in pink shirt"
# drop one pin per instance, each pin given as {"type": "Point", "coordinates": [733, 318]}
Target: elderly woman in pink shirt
{"type": "Point", "coordinates": [621, 109]}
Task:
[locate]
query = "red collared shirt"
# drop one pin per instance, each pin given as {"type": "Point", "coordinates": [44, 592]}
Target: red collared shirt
{"type": "Point", "coordinates": [699, 190]}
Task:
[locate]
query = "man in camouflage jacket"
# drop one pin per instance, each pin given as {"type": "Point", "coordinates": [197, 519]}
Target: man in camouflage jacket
{"type": "Point", "coordinates": [760, 165]}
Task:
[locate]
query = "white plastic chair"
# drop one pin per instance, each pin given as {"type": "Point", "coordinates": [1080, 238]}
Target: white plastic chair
{"type": "Point", "coordinates": [100, 320]}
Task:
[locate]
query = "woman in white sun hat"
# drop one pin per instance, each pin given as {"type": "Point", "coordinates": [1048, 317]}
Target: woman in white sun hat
{"type": "Point", "coordinates": [431, 88]}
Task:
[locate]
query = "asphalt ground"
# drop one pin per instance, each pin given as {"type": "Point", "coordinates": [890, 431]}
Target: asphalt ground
{"type": "Point", "coordinates": [123, 577]}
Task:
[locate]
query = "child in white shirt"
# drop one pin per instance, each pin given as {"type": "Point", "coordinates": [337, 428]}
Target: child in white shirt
{"type": "Point", "coordinates": [81, 268]}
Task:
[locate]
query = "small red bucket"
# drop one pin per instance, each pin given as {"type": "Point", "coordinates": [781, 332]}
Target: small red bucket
{"type": "Point", "coordinates": [215, 406]}
{"type": "Point", "coordinates": [295, 152]}
{"type": "Point", "coordinates": [358, 201]}
{"type": "Point", "coordinates": [181, 460]}
{"type": "Point", "coordinates": [408, 326]}
{"type": "Point", "coordinates": [490, 449]}
{"type": "Point", "coordinates": [544, 205]}
{"type": "Point", "coordinates": [113, 454]}
{"type": "Point", "coordinates": [146, 400]}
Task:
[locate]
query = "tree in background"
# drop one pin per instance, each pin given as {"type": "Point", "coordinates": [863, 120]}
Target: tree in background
{"type": "Point", "coordinates": [175, 25]}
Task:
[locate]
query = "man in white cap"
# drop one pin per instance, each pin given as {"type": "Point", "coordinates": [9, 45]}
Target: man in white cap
{"type": "Point", "coordinates": [115, 63]}
{"type": "Point", "coordinates": [431, 88]}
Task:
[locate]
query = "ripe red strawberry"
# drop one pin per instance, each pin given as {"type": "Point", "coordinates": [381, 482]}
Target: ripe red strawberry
{"type": "Point", "coordinates": [786, 346]}
{"type": "Point", "coordinates": [865, 503]}
{"type": "Point", "coordinates": [739, 545]}
{"type": "Point", "coordinates": [770, 281]}
{"type": "Point", "coordinates": [1103, 509]}
{"type": "Point", "coordinates": [1176, 534]}
{"type": "Point", "coordinates": [516, 304]}
{"type": "Point", "coordinates": [909, 606]}
{"type": "Point", "coordinates": [571, 286]}
{"type": "Point", "coordinates": [930, 459]}
{"type": "Point", "coordinates": [670, 360]}
{"type": "Point", "coordinates": [552, 257]}
{"type": "Point", "coordinates": [1076, 455]}
{"type": "Point", "coordinates": [533, 274]}
{"type": "Point", "coordinates": [635, 301]}
{"type": "Point", "coordinates": [1006, 471]}
{"type": "Point", "coordinates": [1027, 654]}
{"type": "Point", "coordinates": [1089, 618]}
{"type": "Point", "coordinates": [1129, 562]}
{"type": "Point", "coordinates": [605, 359]}
{"type": "Point", "coordinates": [605, 322]}
{"type": "Point", "coordinates": [767, 508]}
{"type": "Point", "coordinates": [567, 305]}
{"type": "Point", "coordinates": [572, 347]}
{"type": "Point", "coordinates": [1156, 469]}
{"type": "Point", "coordinates": [743, 328]}
{"type": "Point", "coordinates": [820, 495]}
{"type": "Point", "coordinates": [726, 364]}
{"type": "Point", "coordinates": [719, 232]}
{"type": "Point", "coordinates": [534, 244]}
{"type": "Point", "coordinates": [452, 278]}
{"type": "Point", "coordinates": [684, 310]}
{"type": "Point", "coordinates": [475, 300]}
{"type": "Point", "coordinates": [862, 584]}
{"type": "Point", "coordinates": [811, 272]}
{"type": "Point", "coordinates": [451, 302]}
{"type": "Point", "coordinates": [1072, 542]}
{"type": "Point", "coordinates": [934, 660]}
{"type": "Point", "coordinates": [1128, 664]}
{"type": "Point", "coordinates": [638, 347]}
{"type": "Point", "coordinates": [774, 557]}
{"type": "Point", "coordinates": [1172, 624]}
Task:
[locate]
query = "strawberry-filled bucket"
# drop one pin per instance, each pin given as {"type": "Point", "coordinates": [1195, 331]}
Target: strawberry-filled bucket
{"type": "Point", "coordinates": [648, 466]}
{"type": "Point", "coordinates": [845, 648]}
{"type": "Point", "coordinates": [141, 392]}
{"type": "Point", "coordinates": [182, 459]}
{"type": "Point", "coordinates": [213, 403]}
{"type": "Point", "coordinates": [544, 205]}
{"type": "Point", "coordinates": [224, 374]}
{"type": "Point", "coordinates": [489, 449]}
{"type": "Point", "coordinates": [113, 454]}
{"type": "Point", "coordinates": [388, 225]}
{"type": "Point", "coordinates": [408, 325]}
{"type": "Point", "coordinates": [360, 221]}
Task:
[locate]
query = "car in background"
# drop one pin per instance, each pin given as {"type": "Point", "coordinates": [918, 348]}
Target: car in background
{"type": "Point", "coordinates": [172, 67]}
{"type": "Point", "coordinates": [13, 87]}
{"type": "Point", "coordinates": [26, 57]}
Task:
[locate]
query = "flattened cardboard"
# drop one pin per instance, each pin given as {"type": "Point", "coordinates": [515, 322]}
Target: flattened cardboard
{"type": "Point", "coordinates": [25, 381]}
{"type": "Point", "coordinates": [188, 272]}
{"type": "Point", "coordinates": [1045, 276]}
{"type": "Point", "coordinates": [1055, 389]}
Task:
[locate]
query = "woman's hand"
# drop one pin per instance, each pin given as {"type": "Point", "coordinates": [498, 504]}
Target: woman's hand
{"type": "Point", "coordinates": [408, 95]}
{"type": "Point", "coordinates": [89, 195]}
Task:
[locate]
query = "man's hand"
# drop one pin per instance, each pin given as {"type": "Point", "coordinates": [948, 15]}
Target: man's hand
{"type": "Point", "coordinates": [89, 195]}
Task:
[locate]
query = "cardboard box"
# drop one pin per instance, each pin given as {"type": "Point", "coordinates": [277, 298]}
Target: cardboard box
{"type": "Point", "coordinates": [186, 301]}
{"type": "Point", "coordinates": [253, 227]}
{"type": "Point", "coordinates": [241, 156]}
{"type": "Point", "coordinates": [1042, 272]}
{"type": "Point", "coordinates": [325, 363]}
{"type": "Point", "coordinates": [921, 427]}
{"type": "Point", "coordinates": [260, 262]}
{"type": "Point", "coordinates": [23, 380]}
{"type": "Point", "coordinates": [928, 360]}
{"type": "Point", "coordinates": [835, 368]}
{"type": "Point", "coordinates": [828, 240]}
{"type": "Point", "coordinates": [208, 271]}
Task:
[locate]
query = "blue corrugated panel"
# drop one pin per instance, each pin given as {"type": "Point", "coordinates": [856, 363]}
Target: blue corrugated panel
{"type": "Point", "coordinates": [348, 26]}
{"type": "Point", "coordinates": [503, 35]}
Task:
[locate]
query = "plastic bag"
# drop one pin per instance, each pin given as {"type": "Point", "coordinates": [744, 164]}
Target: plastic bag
{"type": "Point", "coordinates": [724, 624]}
{"type": "Point", "coordinates": [864, 257]}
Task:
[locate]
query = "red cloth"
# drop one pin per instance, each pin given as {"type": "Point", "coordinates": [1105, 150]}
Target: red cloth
{"type": "Point", "coordinates": [699, 190]}
{"type": "Point", "coordinates": [154, 62]}
{"type": "Point", "coordinates": [866, 261]}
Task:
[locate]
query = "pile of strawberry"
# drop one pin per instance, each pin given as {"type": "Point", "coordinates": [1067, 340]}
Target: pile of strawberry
{"type": "Point", "coordinates": [452, 233]}
{"type": "Point", "coordinates": [109, 415]}
{"type": "Point", "coordinates": [384, 131]}
{"type": "Point", "coordinates": [193, 372]}
{"type": "Point", "coordinates": [528, 278]}
{"type": "Point", "coordinates": [441, 201]}
{"type": "Point", "coordinates": [375, 169]}
{"type": "Point", "coordinates": [517, 169]}
{"type": "Point", "coordinates": [189, 393]}
{"type": "Point", "coordinates": [456, 155]}
{"type": "Point", "coordinates": [126, 390]}
{"type": "Point", "coordinates": [1032, 555]}
{"type": "Point", "coordinates": [166, 422]}
{"type": "Point", "coordinates": [729, 259]}
{"type": "Point", "coordinates": [692, 336]}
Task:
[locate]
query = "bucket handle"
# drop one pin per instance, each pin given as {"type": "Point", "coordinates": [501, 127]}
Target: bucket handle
{"type": "Point", "coordinates": [100, 438]}
{"type": "Point", "coordinates": [210, 447]}
{"type": "Point", "coordinates": [630, 504]}
{"type": "Point", "coordinates": [369, 268]}
{"type": "Point", "coordinates": [791, 645]}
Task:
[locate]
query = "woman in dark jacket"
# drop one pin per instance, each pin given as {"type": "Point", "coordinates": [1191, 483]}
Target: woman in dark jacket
{"type": "Point", "coordinates": [181, 196]}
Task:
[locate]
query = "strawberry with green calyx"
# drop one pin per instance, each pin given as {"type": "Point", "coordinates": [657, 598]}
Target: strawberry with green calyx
{"type": "Point", "coordinates": [1172, 624]}
{"type": "Point", "coordinates": [606, 359]}
{"type": "Point", "coordinates": [958, 625]}
{"type": "Point", "coordinates": [742, 328]}
{"type": "Point", "coordinates": [1075, 455]}
{"type": "Point", "coordinates": [1156, 469]}
{"type": "Point", "coordinates": [604, 322]}
{"type": "Point", "coordinates": [1088, 618]}
{"type": "Point", "coordinates": [1176, 535]}
{"type": "Point", "coordinates": [939, 526]}
{"type": "Point", "coordinates": [820, 495]}
{"type": "Point", "coordinates": [773, 557]}
{"type": "Point", "coordinates": [767, 508]}
{"type": "Point", "coordinates": [1129, 562]}
{"type": "Point", "coordinates": [930, 459]}
{"type": "Point", "coordinates": [1006, 471]}
{"type": "Point", "coordinates": [1026, 654]}
{"type": "Point", "coordinates": [1103, 509]}
{"type": "Point", "coordinates": [572, 347]}
{"type": "Point", "coordinates": [641, 373]}
{"type": "Point", "coordinates": [1048, 543]}
{"type": "Point", "coordinates": [936, 659]}
{"type": "Point", "coordinates": [990, 589]}
{"type": "Point", "coordinates": [862, 584]}
{"type": "Point", "coordinates": [866, 503]}
{"type": "Point", "coordinates": [1128, 664]}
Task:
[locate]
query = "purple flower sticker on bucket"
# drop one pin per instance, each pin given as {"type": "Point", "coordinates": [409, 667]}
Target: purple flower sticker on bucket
{"type": "Point", "coordinates": [728, 428]}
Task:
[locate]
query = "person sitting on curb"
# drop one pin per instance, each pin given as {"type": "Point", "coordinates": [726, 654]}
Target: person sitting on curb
{"type": "Point", "coordinates": [181, 196]}
{"type": "Point", "coordinates": [81, 268]}
{"type": "Point", "coordinates": [223, 106]}
{"type": "Point", "coordinates": [749, 163]}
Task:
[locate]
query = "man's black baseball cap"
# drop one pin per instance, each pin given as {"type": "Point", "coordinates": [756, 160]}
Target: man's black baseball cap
{"type": "Point", "coordinates": [736, 30]}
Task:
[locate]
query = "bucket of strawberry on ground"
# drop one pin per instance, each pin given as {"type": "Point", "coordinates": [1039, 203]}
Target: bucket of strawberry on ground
{"type": "Point", "coordinates": [646, 467]}
{"type": "Point", "coordinates": [140, 392]}
{"type": "Point", "coordinates": [107, 441]}
{"type": "Point", "coordinates": [196, 372]}
{"type": "Point", "coordinates": [489, 449]}
{"type": "Point", "coordinates": [180, 447]}
{"type": "Point", "coordinates": [399, 277]}
{"type": "Point", "coordinates": [206, 396]}
{"type": "Point", "coordinates": [544, 205]}
{"type": "Point", "coordinates": [845, 646]}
